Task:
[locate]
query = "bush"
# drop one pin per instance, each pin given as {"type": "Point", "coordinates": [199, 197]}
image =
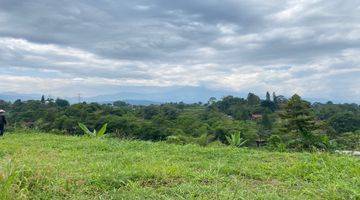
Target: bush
{"type": "Point", "coordinates": [216, 143]}
{"type": "Point", "coordinates": [203, 140]}
{"type": "Point", "coordinates": [177, 139]}
{"type": "Point", "coordinates": [274, 141]}
{"type": "Point", "coordinates": [235, 140]}
{"type": "Point", "coordinates": [349, 141]}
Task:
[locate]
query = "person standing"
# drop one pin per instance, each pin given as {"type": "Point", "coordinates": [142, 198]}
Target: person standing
{"type": "Point", "coordinates": [2, 122]}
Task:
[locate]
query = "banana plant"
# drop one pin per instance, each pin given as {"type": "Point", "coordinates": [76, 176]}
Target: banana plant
{"type": "Point", "coordinates": [235, 140]}
{"type": "Point", "coordinates": [94, 133]}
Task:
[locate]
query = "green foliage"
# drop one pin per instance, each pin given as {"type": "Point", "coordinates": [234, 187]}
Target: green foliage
{"type": "Point", "coordinates": [94, 133]}
{"type": "Point", "coordinates": [253, 99]}
{"type": "Point", "coordinates": [177, 139]}
{"type": "Point", "coordinates": [299, 124]}
{"type": "Point", "coordinates": [62, 103]}
{"type": "Point", "coordinates": [120, 104]}
{"type": "Point", "coordinates": [7, 179]}
{"type": "Point", "coordinates": [235, 140]}
{"type": "Point", "coordinates": [202, 140]}
{"type": "Point", "coordinates": [85, 129]}
{"type": "Point", "coordinates": [274, 141]}
{"type": "Point", "coordinates": [350, 140]}
{"type": "Point", "coordinates": [102, 131]}
{"type": "Point", "coordinates": [266, 122]}
{"type": "Point", "coordinates": [345, 122]}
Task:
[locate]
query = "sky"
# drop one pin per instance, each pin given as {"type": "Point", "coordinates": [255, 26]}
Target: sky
{"type": "Point", "coordinates": [66, 47]}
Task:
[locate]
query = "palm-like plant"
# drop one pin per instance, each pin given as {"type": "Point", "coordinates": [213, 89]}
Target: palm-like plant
{"type": "Point", "coordinates": [94, 133]}
{"type": "Point", "coordinates": [235, 140]}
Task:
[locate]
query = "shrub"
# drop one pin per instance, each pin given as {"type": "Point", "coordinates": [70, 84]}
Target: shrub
{"type": "Point", "coordinates": [235, 140]}
{"type": "Point", "coordinates": [177, 139]}
{"type": "Point", "coordinates": [203, 140]}
{"type": "Point", "coordinates": [349, 141]}
{"type": "Point", "coordinates": [95, 133]}
{"type": "Point", "coordinates": [274, 141]}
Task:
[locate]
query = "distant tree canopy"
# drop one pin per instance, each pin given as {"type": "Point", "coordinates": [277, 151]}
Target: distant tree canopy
{"type": "Point", "coordinates": [290, 123]}
{"type": "Point", "coordinates": [62, 103]}
{"type": "Point", "coordinates": [253, 99]}
{"type": "Point", "coordinates": [344, 122]}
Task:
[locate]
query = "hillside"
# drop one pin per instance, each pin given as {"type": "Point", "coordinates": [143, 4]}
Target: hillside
{"type": "Point", "coordinates": [44, 166]}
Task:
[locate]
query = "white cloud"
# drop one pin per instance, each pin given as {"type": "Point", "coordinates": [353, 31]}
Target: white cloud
{"type": "Point", "coordinates": [228, 45]}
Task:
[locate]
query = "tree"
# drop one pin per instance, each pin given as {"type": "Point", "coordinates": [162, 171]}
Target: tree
{"type": "Point", "coordinates": [253, 99]}
{"type": "Point", "coordinates": [212, 100]}
{"type": "Point", "coordinates": [170, 112]}
{"type": "Point", "coordinates": [268, 96]}
{"type": "Point", "coordinates": [269, 105]}
{"type": "Point", "coordinates": [280, 101]}
{"type": "Point", "coordinates": [62, 103]}
{"type": "Point", "coordinates": [274, 97]}
{"type": "Point", "coordinates": [265, 126]}
{"type": "Point", "coordinates": [150, 111]}
{"type": "Point", "coordinates": [300, 120]}
{"type": "Point", "coordinates": [42, 99]}
{"type": "Point", "coordinates": [120, 104]}
{"type": "Point", "coordinates": [266, 122]}
{"type": "Point", "coordinates": [345, 122]}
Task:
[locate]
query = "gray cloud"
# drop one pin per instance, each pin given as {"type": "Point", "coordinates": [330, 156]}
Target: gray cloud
{"type": "Point", "coordinates": [228, 44]}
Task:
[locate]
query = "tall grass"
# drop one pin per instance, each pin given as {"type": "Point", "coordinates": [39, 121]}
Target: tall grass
{"type": "Point", "coordinates": [45, 166]}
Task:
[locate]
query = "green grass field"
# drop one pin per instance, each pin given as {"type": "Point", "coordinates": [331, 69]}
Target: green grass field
{"type": "Point", "coordinates": [45, 166]}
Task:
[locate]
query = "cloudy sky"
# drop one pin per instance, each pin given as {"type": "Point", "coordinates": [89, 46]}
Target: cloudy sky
{"type": "Point", "coordinates": [63, 47]}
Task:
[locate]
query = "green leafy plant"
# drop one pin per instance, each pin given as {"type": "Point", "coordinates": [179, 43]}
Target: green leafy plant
{"type": "Point", "coordinates": [235, 140]}
{"type": "Point", "coordinates": [94, 133]}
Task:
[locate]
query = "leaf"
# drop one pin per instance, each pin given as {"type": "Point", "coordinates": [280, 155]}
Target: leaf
{"type": "Point", "coordinates": [85, 129]}
{"type": "Point", "coordinates": [228, 139]}
{"type": "Point", "coordinates": [102, 131]}
{"type": "Point", "coordinates": [242, 143]}
{"type": "Point", "coordinates": [235, 140]}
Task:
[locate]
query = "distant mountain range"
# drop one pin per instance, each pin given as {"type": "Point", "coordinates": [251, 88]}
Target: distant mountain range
{"type": "Point", "coordinates": [161, 94]}
{"type": "Point", "coordinates": [149, 95]}
{"type": "Point", "coordinates": [138, 95]}
{"type": "Point", "coordinates": [12, 96]}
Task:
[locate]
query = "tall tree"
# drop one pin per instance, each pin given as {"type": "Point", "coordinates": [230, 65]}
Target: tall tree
{"type": "Point", "coordinates": [268, 103]}
{"type": "Point", "coordinates": [266, 122]}
{"type": "Point", "coordinates": [253, 99]}
{"type": "Point", "coordinates": [274, 96]}
{"type": "Point", "coordinates": [268, 96]}
{"type": "Point", "coordinates": [299, 119]}
{"type": "Point", "coordinates": [265, 125]}
{"type": "Point", "coordinates": [42, 99]}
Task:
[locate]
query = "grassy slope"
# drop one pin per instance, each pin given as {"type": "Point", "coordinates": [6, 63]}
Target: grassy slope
{"type": "Point", "coordinates": [43, 166]}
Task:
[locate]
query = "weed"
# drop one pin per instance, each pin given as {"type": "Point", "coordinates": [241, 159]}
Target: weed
{"type": "Point", "coordinates": [97, 134]}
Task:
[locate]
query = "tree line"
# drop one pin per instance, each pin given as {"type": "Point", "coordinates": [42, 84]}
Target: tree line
{"type": "Point", "coordinates": [274, 122]}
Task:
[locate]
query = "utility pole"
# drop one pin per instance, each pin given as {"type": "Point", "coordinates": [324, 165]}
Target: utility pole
{"type": "Point", "coordinates": [79, 97]}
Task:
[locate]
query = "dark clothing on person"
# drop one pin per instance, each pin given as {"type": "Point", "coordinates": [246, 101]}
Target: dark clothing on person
{"type": "Point", "coordinates": [2, 124]}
